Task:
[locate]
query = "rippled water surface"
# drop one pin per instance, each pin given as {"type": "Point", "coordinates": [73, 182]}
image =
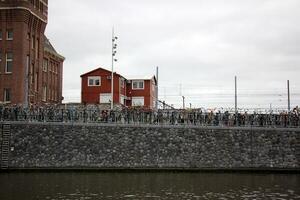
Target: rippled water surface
{"type": "Point", "coordinates": [84, 186]}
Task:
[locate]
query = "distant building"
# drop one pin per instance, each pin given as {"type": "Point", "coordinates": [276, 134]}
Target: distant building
{"type": "Point", "coordinates": [30, 68]}
{"type": "Point", "coordinates": [137, 92]}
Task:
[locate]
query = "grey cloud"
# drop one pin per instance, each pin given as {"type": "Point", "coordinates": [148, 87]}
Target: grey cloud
{"type": "Point", "coordinates": [198, 42]}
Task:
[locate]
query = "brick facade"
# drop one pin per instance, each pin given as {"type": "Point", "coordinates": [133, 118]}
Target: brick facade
{"type": "Point", "coordinates": [27, 20]}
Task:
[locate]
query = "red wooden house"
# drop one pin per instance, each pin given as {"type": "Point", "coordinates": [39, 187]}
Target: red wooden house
{"type": "Point", "coordinates": [96, 89]}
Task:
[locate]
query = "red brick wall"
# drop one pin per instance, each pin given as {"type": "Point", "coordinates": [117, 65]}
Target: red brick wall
{"type": "Point", "coordinates": [26, 27]}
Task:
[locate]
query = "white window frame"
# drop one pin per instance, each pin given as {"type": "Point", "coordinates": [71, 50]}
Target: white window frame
{"type": "Point", "coordinates": [133, 104]}
{"type": "Point", "coordinates": [45, 65]}
{"type": "Point", "coordinates": [9, 60]}
{"type": "Point", "coordinates": [122, 82]}
{"type": "Point", "coordinates": [45, 93]}
{"type": "Point", "coordinates": [94, 78]}
{"type": "Point", "coordinates": [5, 95]}
{"type": "Point", "coordinates": [7, 35]}
{"type": "Point", "coordinates": [138, 81]}
{"type": "Point", "coordinates": [105, 98]}
{"type": "Point", "coordinates": [122, 99]}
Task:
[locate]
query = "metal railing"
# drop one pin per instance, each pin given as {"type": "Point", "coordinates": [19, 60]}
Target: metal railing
{"type": "Point", "coordinates": [83, 114]}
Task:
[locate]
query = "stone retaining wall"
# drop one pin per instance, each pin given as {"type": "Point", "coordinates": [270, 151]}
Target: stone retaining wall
{"type": "Point", "coordinates": [58, 145]}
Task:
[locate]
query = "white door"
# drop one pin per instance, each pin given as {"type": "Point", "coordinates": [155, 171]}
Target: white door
{"type": "Point", "coordinates": [105, 98]}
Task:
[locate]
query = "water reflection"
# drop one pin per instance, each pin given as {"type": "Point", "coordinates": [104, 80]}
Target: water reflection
{"type": "Point", "coordinates": [70, 186]}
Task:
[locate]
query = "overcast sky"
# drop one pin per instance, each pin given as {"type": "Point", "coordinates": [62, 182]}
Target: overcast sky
{"type": "Point", "coordinates": [199, 46]}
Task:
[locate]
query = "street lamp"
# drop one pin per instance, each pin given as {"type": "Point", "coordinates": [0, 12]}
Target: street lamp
{"type": "Point", "coordinates": [113, 59]}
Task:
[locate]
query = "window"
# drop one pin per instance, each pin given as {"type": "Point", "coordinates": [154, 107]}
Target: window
{"type": "Point", "coordinates": [94, 81]}
{"type": "Point", "coordinates": [45, 93]}
{"type": "Point", "coordinates": [10, 34]}
{"type": "Point", "coordinates": [122, 82]}
{"type": "Point", "coordinates": [31, 73]}
{"type": "Point", "coordinates": [137, 85]}
{"type": "Point", "coordinates": [33, 42]}
{"type": "Point", "coordinates": [9, 61]}
{"type": "Point", "coordinates": [137, 101]}
{"type": "Point", "coordinates": [45, 65]}
{"type": "Point", "coordinates": [105, 98]}
{"type": "Point", "coordinates": [36, 82]}
{"type": "Point", "coordinates": [0, 34]}
{"type": "Point", "coordinates": [7, 95]}
{"type": "Point", "coordinates": [122, 99]}
{"type": "Point", "coordinates": [37, 48]}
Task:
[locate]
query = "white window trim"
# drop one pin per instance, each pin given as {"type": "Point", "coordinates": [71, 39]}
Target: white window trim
{"type": "Point", "coordinates": [7, 38]}
{"type": "Point", "coordinates": [94, 78]}
{"type": "Point", "coordinates": [122, 82]}
{"type": "Point", "coordinates": [44, 94]}
{"type": "Point", "coordinates": [4, 96]}
{"type": "Point", "coordinates": [138, 85]}
{"type": "Point", "coordinates": [7, 60]}
{"type": "Point", "coordinates": [45, 68]}
{"type": "Point", "coordinates": [122, 99]}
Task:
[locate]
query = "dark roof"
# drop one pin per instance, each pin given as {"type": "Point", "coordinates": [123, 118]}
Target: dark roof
{"type": "Point", "coordinates": [99, 68]}
{"type": "Point", "coordinates": [49, 47]}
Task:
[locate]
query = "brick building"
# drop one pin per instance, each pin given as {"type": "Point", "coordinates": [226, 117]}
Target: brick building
{"type": "Point", "coordinates": [96, 89]}
{"type": "Point", "coordinates": [30, 68]}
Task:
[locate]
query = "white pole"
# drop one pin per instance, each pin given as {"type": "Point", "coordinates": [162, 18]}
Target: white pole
{"type": "Point", "coordinates": [289, 97]}
{"type": "Point", "coordinates": [156, 105]}
{"type": "Point", "coordinates": [112, 71]}
{"type": "Point", "coordinates": [235, 96]}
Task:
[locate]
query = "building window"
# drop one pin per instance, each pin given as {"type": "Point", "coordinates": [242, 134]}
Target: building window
{"type": "Point", "coordinates": [122, 99]}
{"type": "Point", "coordinates": [137, 101]}
{"type": "Point", "coordinates": [10, 34]}
{"type": "Point", "coordinates": [7, 96]}
{"type": "Point", "coordinates": [45, 93]}
{"type": "Point", "coordinates": [33, 42]}
{"type": "Point", "coordinates": [31, 73]}
{"type": "Point", "coordinates": [122, 82]}
{"type": "Point", "coordinates": [37, 48]}
{"type": "Point", "coordinates": [105, 98]}
{"type": "Point", "coordinates": [9, 61]}
{"type": "Point", "coordinates": [94, 81]}
{"type": "Point", "coordinates": [0, 34]}
{"type": "Point", "coordinates": [36, 82]}
{"type": "Point", "coordinates": [45, 65]}
{"type": "Point", "coordinates": [137, 85]}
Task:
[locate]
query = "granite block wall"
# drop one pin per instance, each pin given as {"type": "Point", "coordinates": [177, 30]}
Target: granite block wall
{"type": "Point", "coordinates": [59, 145]}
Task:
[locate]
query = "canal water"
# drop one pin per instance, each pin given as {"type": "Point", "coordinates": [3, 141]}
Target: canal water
{"type": "Point", "coordinates": [96, 185]}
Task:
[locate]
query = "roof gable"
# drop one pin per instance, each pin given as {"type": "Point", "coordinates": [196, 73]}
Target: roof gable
{"type": "Point", "coordinates": [99, 69]}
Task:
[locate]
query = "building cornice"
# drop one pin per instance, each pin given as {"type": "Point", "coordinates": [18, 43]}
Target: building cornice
{"type": "Point", "coordinates": [23, 8]}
